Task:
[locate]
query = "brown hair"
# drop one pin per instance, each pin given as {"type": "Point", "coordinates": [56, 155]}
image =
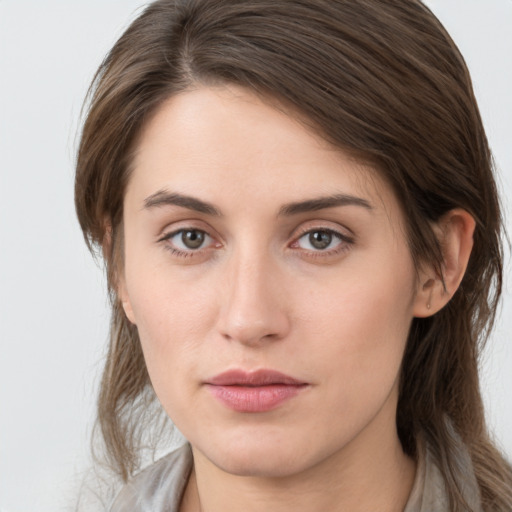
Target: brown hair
{"type": "Point", "coordinates": [378, 78]}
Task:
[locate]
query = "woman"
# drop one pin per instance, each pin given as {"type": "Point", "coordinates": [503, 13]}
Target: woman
{"type": "Point", "coordinates": [296, 207]}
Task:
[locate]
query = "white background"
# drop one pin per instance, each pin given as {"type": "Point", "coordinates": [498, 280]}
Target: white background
{"type": "Point", "coordinates": [53, 306]}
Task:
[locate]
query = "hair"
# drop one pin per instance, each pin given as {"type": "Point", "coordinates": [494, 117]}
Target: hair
{"type": "Point", "coordinates": [379, 78]}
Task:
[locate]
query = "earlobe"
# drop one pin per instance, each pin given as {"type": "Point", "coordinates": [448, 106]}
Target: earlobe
{"type": "Point", "coordinates": [424, 304]}
{"type": "Point", "coordinates": [455, 233]}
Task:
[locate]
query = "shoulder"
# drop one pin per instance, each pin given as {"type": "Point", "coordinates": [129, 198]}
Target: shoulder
{"type": "Point", "coordinates": [159, 487]}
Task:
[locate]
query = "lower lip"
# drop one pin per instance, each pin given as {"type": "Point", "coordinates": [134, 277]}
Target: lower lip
{"type": "Point", "coordinates": [254, 399]}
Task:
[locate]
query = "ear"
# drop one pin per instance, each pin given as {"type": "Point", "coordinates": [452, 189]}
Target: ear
{"type": "Point", "coordinates": [454, 231]}
{"type": "Point", "coordinates": [115, 271]}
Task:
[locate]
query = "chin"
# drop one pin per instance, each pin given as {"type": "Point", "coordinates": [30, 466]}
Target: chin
{"type": "Point", "coordinates": [263, 456]}
{"type": "Point", "coordinates": [262, 464]}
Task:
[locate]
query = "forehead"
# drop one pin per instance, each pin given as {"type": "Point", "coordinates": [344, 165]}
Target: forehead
{"type": "Point", "coordinates": [217, 142]}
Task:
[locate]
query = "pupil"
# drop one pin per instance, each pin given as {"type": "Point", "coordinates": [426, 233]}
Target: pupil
{"type": "Point", "coordinates": [192, 239]}
{"type": "Point", "coordinates": [320, 239]}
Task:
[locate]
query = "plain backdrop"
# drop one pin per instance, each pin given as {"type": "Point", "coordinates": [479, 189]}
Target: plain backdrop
{"type": "Point", "coordinates": [53, 305]}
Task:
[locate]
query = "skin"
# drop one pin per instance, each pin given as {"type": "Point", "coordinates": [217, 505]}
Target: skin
{"type": "Point", "coordinates": [257, 294]}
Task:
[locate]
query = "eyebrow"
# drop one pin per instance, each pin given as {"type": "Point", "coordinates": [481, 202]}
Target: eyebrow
{"type": "Point", "coordinates": [165, 198]}
{"type": "Point", "coordinates": [322, 203]}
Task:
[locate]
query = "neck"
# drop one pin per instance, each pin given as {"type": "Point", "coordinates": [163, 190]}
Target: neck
{"type": "Point", "coordinates": [369, 473]}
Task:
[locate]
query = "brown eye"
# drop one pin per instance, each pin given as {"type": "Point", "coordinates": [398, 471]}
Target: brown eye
{"type": "Point", "coordinates": [192, 239]}
{"type": "Point", "coordinates": [320, 239]}
{"type": "Point", "coordinates": [187, 240]}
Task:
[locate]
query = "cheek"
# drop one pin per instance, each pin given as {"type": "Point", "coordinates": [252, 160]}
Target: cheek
{"type": "Point", "coordinates": [172, 319]}
{"type": "Point", "coordinates": [168, 318]}
{"type": "Point", "coordinates": [171, 325]}
{"type": "Point", "coordinates": [360, 328]}
{"type": "Point", "coordinates": [362, 306]}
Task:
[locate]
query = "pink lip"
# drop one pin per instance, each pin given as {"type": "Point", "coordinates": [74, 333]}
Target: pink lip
{"type": "Point", "coordinates": [259, 391]}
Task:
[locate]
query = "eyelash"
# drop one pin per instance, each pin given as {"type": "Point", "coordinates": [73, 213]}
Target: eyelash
{"type": "Point", "coordinates": [179, 252]}
{"type": "Point", "coordinates": [345, 242]}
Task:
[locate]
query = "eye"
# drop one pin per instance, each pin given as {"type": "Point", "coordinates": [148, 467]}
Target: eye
{"type": "Point", "coordinates": [319, 240]}
{"type": "Point", "coordinates": [322, 240]}
{"type": "Point", "coordinates": [187, 240]}
{"type": "Point", "coordinates": [191, 239]}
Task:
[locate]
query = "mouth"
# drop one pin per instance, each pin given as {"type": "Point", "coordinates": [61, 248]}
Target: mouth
{"type": "Point", "coordinates": [258, 391]}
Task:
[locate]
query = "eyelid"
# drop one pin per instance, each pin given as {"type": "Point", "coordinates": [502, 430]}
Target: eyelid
{"type": "Point", "coordinates": [184, 224]}
{"type": "Point", "coordinates": [170, 232]}
{"type": "Point", "coordinates": [345, 241]}
{"type": "Point", "coordinates": [340, 236]}
{"type": "Point", "coordinates": [339, 232]}
{"type": "Point", "coordinates": [343, 232]}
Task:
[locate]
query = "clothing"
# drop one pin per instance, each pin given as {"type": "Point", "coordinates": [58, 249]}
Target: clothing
{"type": "Point", "coordinates": [160, 487]}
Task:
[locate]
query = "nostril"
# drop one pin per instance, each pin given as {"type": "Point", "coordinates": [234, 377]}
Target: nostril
{"type": "Point", "coordinates": [256, 331]}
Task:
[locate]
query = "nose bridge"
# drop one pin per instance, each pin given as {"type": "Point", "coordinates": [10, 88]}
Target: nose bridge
{"type": "Point", "coordinates": [253, 307]}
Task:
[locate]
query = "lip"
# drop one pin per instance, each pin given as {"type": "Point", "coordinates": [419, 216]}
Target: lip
{"type": "Point", "coordinates": [256, 391]}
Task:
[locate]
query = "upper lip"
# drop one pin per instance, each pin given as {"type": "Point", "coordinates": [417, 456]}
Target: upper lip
{"type": "Point", "coordinates": [253, 378]}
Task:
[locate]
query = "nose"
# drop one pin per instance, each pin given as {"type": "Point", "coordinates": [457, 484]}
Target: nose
{"type": "Point", "coordinates": [253, 308]}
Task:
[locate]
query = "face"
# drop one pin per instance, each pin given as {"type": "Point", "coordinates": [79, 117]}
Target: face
{"type": "Point", "coordinates": [270, 282]}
